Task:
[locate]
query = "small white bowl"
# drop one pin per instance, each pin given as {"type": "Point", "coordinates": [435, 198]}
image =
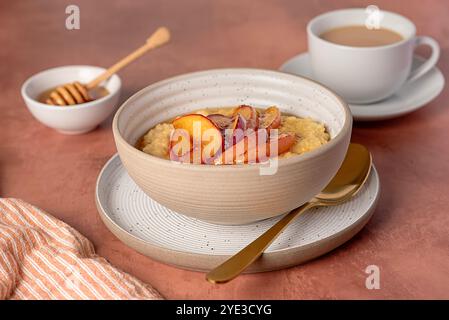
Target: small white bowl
{"type": "Point", "coordinates": [75, 119]}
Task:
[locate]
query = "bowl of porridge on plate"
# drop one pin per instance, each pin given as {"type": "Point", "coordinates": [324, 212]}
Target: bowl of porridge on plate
{"type": "Point", "coordinates": [232, 146]}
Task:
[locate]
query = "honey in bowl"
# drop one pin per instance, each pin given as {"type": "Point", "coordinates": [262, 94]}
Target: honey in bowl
{"type": "Point", "coordinates": [93, 94]}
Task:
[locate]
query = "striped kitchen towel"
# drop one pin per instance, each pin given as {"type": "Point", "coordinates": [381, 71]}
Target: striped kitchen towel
{"type": "Point", "coordinates": [41, 257]}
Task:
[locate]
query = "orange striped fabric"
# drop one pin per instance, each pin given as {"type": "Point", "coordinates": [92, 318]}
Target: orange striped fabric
{"type": "Point", "coordinates": [41, 257]}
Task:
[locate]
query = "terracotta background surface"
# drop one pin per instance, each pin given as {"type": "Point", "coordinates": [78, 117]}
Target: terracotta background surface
{"type": "Point", "coordinates": [408, 235]}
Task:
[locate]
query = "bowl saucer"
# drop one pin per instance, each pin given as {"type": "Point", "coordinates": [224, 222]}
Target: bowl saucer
{"type": "Point", "coordinates": [188, 243]}
{"type": "Point", "coordinates": [409, 98]}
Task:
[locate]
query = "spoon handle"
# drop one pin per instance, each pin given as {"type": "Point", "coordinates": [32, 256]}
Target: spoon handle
{"type": "Point", "coordinates": [158, 38]}
{"type": "Point", "coordinates": [235, 265]}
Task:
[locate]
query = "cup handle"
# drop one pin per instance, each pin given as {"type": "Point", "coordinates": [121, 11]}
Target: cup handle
{"type": "Point", "coordinates": [430, 63]}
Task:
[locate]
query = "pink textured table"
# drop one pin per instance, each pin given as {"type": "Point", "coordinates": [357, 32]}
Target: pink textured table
{"type": "Point", "coordinates": [408, 235]}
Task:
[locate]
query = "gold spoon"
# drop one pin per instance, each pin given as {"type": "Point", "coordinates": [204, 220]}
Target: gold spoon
{"type": "Point", "coordinates": [346, 183]}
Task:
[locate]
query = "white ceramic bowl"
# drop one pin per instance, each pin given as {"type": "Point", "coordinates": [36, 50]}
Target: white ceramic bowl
{"type": "Point", "coordinates": [232, 194]}
{"type": "Point", "coordinates": [75, 119]}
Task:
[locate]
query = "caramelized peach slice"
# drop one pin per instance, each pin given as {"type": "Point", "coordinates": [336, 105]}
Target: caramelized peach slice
{"type": "Point", "coordinates": [233, 154]}
{"type": "Point", "coordinates": [273, 147]}
{"type": "Point", "coordinates": [284, 142]}
{"type": "Point", "coordinates": [255, 148]}
{"type": "Point", "coordinates": [271, 119]}
{"type": "Point", "coordinates": [239, 122]}
{"type": "Point", "coordinates": [249, 114]}
{"type": "Point", "coordinates": [188, 122]}
{"type": "Point", "coordinates": [221, 121]}
{"type": "Point", "coordinates": [203, 133]}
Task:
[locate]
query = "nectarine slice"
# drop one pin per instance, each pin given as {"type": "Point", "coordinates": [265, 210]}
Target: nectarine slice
{"type": "Point", "coordinates": [249, 114]}
{"type": "Point", "coordinates": [239, 122]}
{"type": "Point", "coordinates": [221, 121]}
{"type": "Point", "coordinates": [284, 142]}
{"type": "Point", "coordinates": [188, 122]}
{"type": "Point", "coordinates": [204, 135]}
{"type": "Point", "coordinates": [234, 153]}
{"type": "Point", "coordinates": [255, 148]}
{"type": "Point", "coordinates": [270, 119]}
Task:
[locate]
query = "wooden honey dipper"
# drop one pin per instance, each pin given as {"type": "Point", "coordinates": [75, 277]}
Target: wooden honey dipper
{"type": "Point", "coordinates": [76, 92]}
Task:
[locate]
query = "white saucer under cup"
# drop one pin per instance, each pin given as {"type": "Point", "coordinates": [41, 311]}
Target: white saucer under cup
{"type": "Point", "coordinates": [410, 97]}
{"type": "Point", "coordinates": [188, 243]}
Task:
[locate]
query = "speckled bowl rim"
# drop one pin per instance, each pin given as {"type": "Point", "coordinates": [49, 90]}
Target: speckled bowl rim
{"type": "Point", "coordinates": [274, 258]}
{"type": "Point", "coordinates": [347, 125]}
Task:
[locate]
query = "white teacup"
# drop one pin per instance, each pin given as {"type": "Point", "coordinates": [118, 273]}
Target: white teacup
{"type": "Point", "coordinates": [366, 74]}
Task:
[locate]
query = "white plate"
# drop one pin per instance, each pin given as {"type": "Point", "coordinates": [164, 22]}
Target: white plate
{"type": "Point", "coordinates": [172, 238]}
{"type": "Point", "coordinates": [409, 98]}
